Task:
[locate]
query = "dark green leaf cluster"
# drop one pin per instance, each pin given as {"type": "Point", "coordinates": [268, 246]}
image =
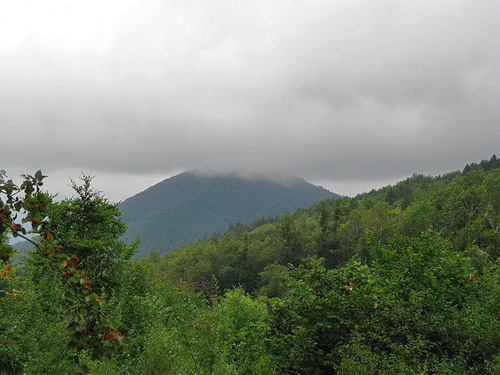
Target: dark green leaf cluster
{"type": "Point", "coordinates": [418, 308]}
{"type": "Point", "coordinates": [91, 227]}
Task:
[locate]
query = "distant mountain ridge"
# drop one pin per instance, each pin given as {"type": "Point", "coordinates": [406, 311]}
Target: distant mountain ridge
{"type": "Point", "coordinates": [189, 206]}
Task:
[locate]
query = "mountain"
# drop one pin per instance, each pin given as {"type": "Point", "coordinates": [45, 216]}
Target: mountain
{"type": "Point", "coordinates": [188, 206]}
{"type": "Point", "coordinates": [462, 207]}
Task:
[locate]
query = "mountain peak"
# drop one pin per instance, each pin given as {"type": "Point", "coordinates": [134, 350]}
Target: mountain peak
{"type": "Point", "coordinates": [193, 205]}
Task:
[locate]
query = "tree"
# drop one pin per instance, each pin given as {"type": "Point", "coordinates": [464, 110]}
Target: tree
{"type": "Point", "coordinates": [85, 319]}
{"type": "Point", "coordinates": [90, 226]}
{"type": "Point", "coordinates": [419, 307]}
{"type": "Point", "coordinates": [290, 241]}
{"type": "Point", "coordinates": [490, 228]}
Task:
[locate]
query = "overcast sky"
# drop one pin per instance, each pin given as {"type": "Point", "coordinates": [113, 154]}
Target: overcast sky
{"type": "Point", "coordinates": [348, 94]}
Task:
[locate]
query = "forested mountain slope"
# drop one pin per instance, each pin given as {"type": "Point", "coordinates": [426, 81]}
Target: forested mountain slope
{"type": "Point", "coordinates": [187, 207]}
{"type": "Point", "coordinates": [400, 280]}
{"type": "Point", "coordinates": [463, 207]}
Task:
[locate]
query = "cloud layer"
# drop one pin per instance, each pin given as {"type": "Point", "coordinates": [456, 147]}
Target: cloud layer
{"type": "Point", "coordinates": [346, 93]}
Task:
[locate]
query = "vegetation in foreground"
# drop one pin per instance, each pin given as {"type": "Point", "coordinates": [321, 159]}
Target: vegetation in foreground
{"type": "Point", "coordinates": [401, 280]}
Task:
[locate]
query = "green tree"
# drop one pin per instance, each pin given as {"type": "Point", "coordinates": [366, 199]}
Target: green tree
{"type": "Point", "coordinates": [316, 316]}
{"type": "Point", "coordinates": [489, 227]}
{"type": "Point", "coordinates": [90, 226]}
{"type": "Point", "coordinates": [419, 307]}
{"type": "Point", "coordinates": [56, 318]}
{"type": "Point", "coordinates": [290, 241]}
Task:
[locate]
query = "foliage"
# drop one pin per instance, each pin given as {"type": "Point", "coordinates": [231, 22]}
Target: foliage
{"type": "Point", "coordinates": [222, 338]}
{"type": "Point", "coordinates": [418, 308]}
{"type": "Point", "coordinates": [90, 226]}
{"type": "Point", "coordinates": [400, 280]}
{"type": "Point", "coordinates": [86, 325]}
{"type": "Point", "coordinates": [463, 207]}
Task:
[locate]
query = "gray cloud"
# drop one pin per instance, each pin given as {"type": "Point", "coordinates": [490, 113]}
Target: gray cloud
{"type": "Point", "coordinates": [348, 94]}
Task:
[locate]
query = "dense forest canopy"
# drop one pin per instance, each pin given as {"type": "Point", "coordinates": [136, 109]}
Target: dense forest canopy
{"type": "Point", "coordinates": [400, 280]}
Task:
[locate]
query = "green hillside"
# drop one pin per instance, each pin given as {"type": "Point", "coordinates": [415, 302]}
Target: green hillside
{"type": "Point", "coordinates": [463, 207]}
{"type": "Point", "coordinates": [400, 280]}
{"type": "Point", "coordinates": [187, 207]}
